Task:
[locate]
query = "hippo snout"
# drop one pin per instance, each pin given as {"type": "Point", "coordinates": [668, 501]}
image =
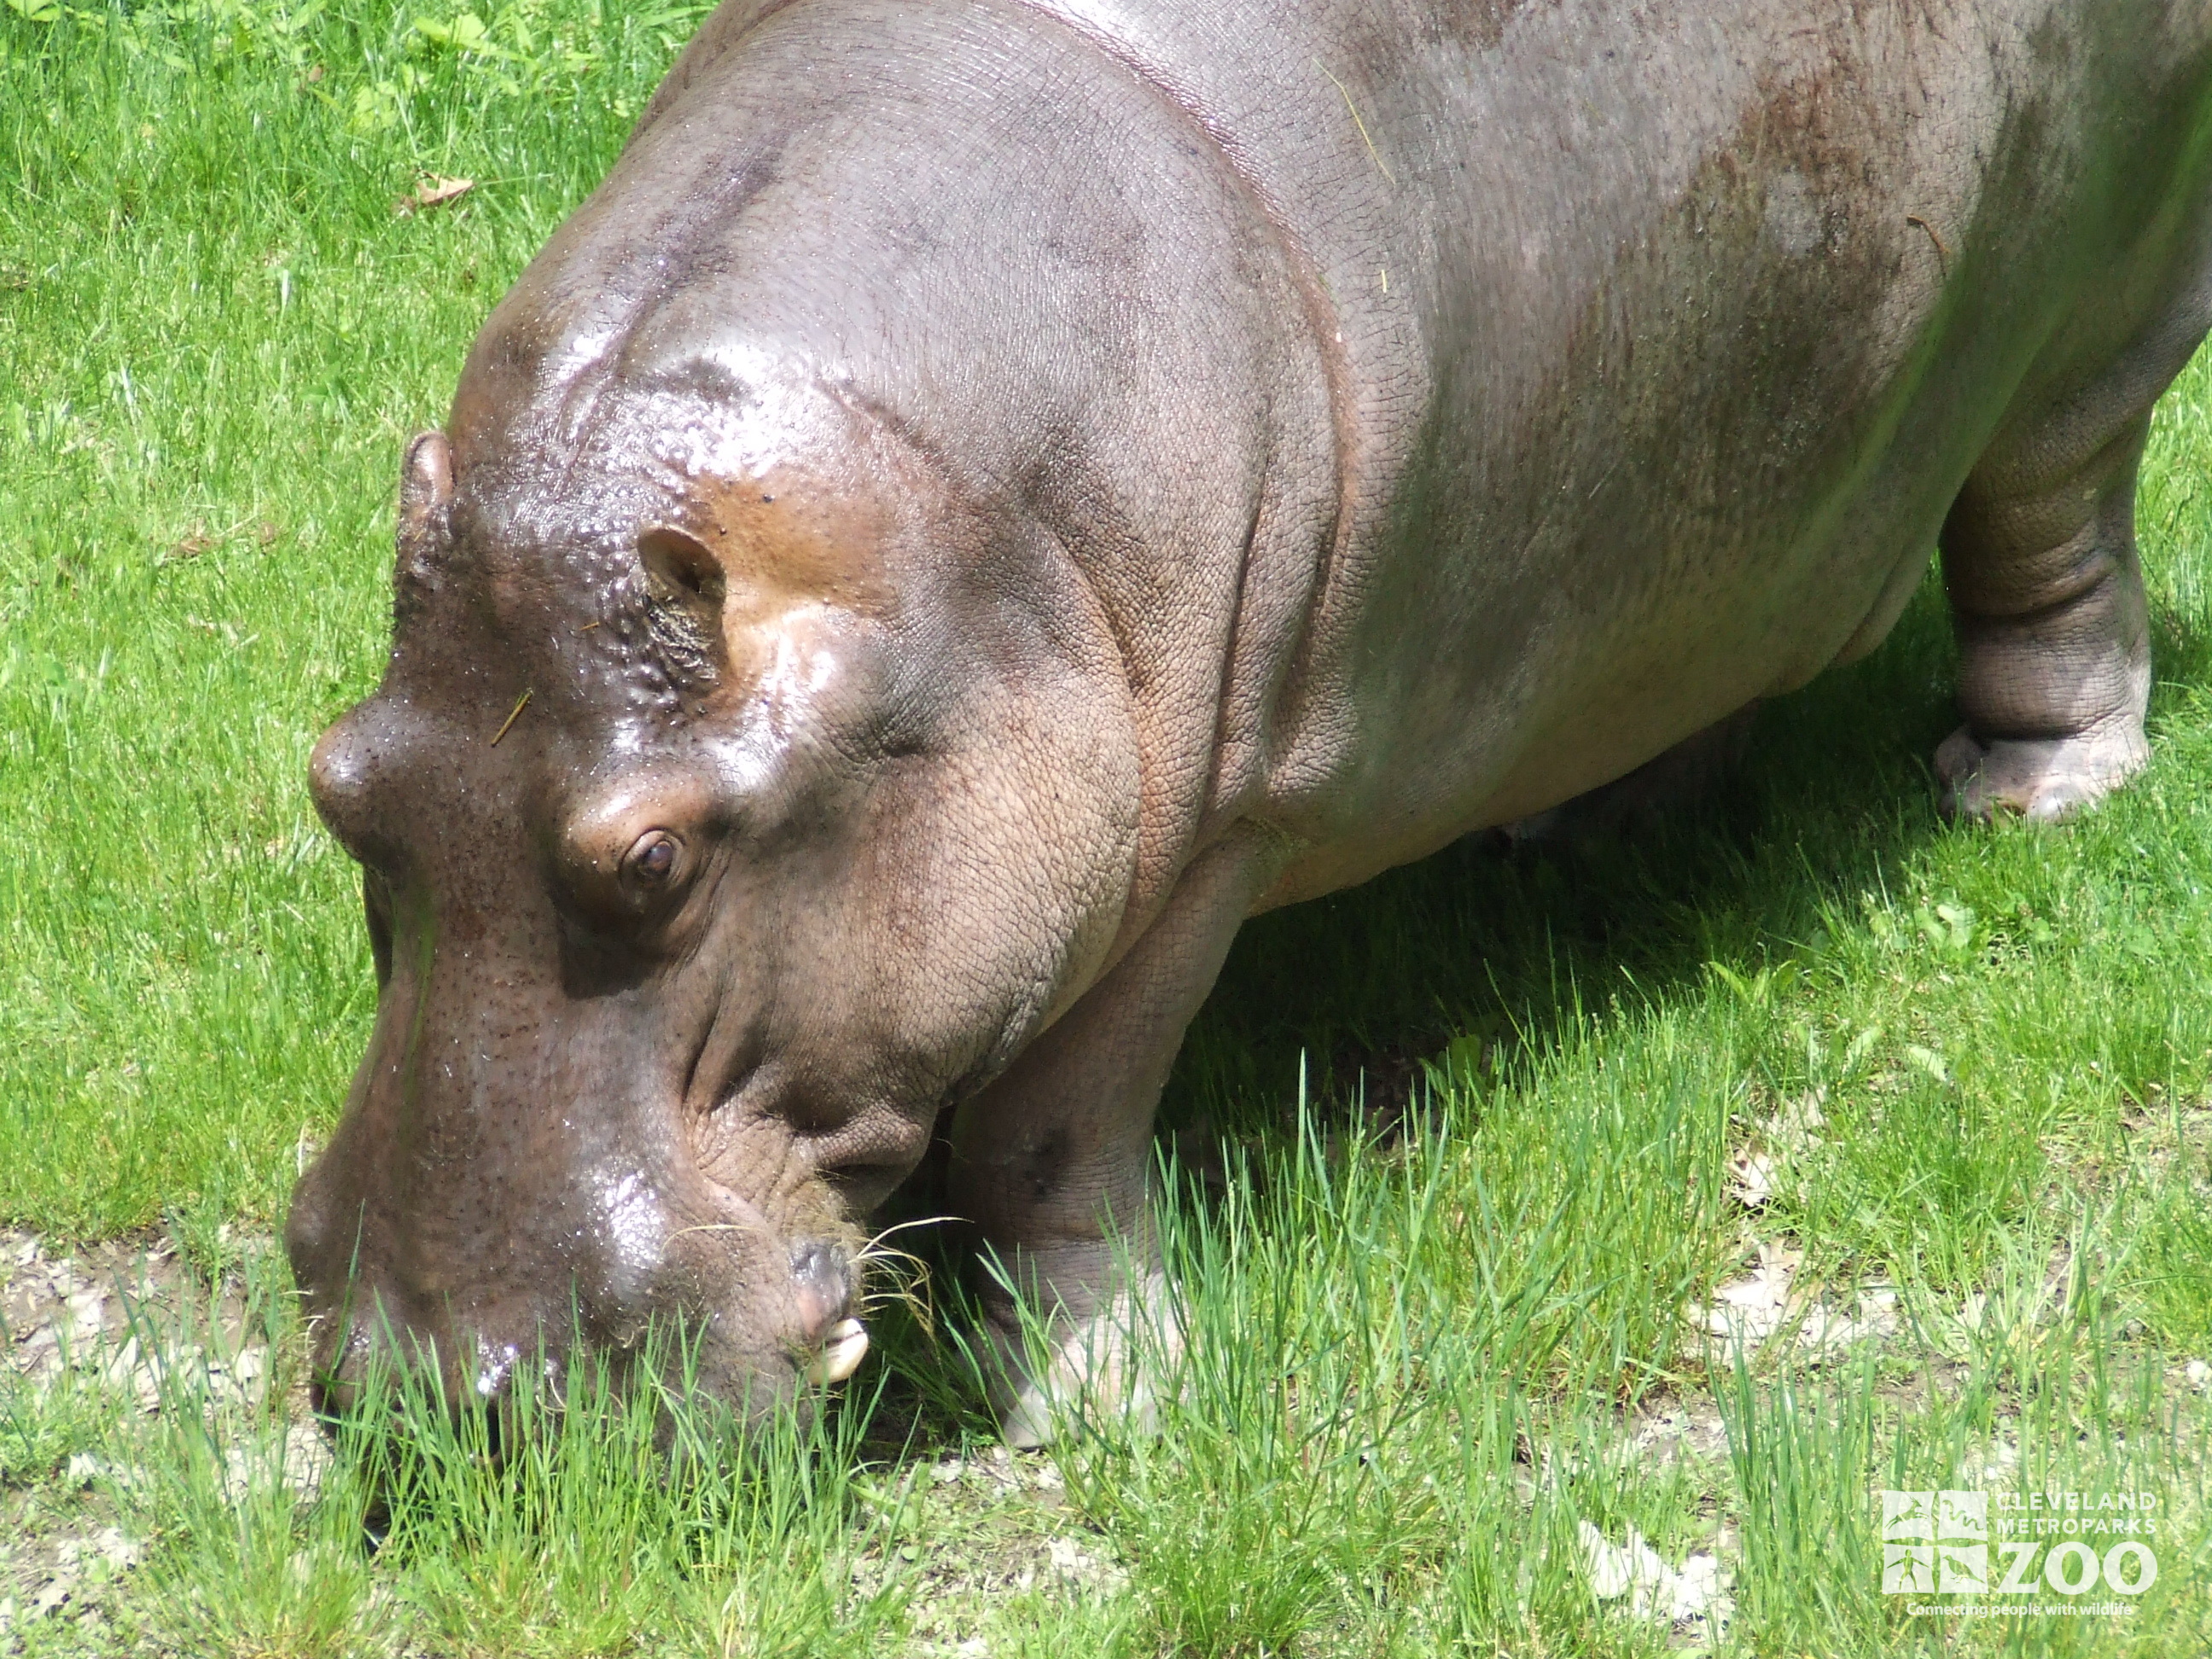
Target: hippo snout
{"type": "Point", "coordinates": [486, 1311]}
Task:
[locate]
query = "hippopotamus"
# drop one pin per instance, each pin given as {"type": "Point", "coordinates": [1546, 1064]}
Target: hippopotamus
{"type": "Point", "coordinates": [989, 494]}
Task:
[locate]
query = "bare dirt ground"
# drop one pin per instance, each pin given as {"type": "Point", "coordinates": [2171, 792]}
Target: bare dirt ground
{"type": "Point", "coordinates": [109, 1325]}
{"type": "Point", "coordinates": [88, 1334]}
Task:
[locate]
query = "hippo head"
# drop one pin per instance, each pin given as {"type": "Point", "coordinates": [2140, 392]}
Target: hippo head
{"type": "Point", "coordinates": [739, 791]}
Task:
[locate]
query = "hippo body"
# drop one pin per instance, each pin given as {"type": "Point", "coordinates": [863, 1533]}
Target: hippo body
{"type": "Point", "coordinates": [989, 493]}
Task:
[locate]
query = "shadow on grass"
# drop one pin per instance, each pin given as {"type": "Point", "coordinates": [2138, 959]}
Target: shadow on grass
{"type": "Point", "coordinates": [1512, 945]}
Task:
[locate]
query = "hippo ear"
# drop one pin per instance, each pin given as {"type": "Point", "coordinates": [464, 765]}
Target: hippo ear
{"type": "Point", "coordinates": [426, 501]}
{"type": "Point", "coordinates": [426, 489]}
{"type": "Point", "coordinates": [685, 580]}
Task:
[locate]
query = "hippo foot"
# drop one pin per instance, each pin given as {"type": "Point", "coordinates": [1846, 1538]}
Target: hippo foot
{"type": "Point", "coordinates": [1106, 1369]}
{"type": "Point", "coordinates": [2044, 780]}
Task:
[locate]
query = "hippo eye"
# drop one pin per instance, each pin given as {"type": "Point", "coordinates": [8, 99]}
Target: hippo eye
{"type": "Point", "coordinates": [652, 860]}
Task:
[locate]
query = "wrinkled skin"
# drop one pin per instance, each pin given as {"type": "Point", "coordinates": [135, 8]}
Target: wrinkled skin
{"type": "Point", "coordinates": [990, 493]}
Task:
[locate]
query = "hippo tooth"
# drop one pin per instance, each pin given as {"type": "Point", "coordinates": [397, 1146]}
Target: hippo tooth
{"type": "Point", "coordinates": [842, 1351]}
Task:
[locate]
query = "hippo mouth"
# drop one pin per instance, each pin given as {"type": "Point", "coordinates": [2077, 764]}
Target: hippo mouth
{"type": "Point", "coordinates": [839, 1356]}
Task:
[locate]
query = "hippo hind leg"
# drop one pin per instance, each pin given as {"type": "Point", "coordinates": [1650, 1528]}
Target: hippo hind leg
{"type": "Point", "coordinates": [2054, 649]}
{"type": "Point", "coordinates": [2047, 596]}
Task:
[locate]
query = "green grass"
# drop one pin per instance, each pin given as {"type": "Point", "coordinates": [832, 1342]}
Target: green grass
{"type": "Point", "coordinates": [218, 333]}
{"type": "Point", "coordinates": [1423, 1342]}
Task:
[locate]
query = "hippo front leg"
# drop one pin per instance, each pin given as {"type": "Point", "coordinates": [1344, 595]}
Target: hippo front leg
{"type": "Point", "coordinates": [1053, 1162]}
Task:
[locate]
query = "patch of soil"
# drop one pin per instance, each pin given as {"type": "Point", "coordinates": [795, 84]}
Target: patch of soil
{"type": "Point", "coordinates": [53, 1305]}
{"type": "Point", "coordinates": [85, 1335]}
{"type": "Point", "coordinates": [981, 1531]}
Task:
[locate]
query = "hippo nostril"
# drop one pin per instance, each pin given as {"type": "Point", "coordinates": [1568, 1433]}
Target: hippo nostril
{"type": "Point", "coordinates": [822, 1281]}
{"type": "Point", "coordinates": [822, 1274]}
{"type": "Point", "coordinates": [812, 1256]}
